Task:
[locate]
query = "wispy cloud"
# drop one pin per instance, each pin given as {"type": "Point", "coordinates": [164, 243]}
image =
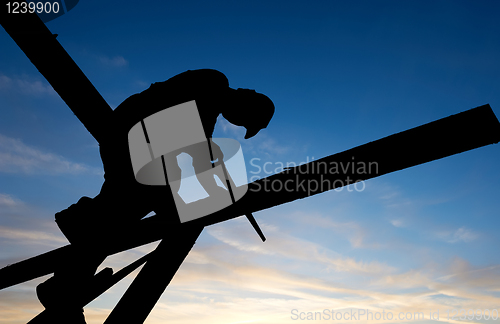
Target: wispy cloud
{"type": "Point", "coordinates": [23, 224]}
{"type": "Point", "coordinates": [228, 128]}
{"type": "Point", "coordinates": [353, 231]}
{"type": "Point", "coordinates": [19, 305]}
{"type": "Point", "coordinates": [115, 61]}
{"type": "Point", "coordinates": [9, 201]}
{"type": "Point", "coordinates": [26, 85]}
{"type": "Point", "coordinates": [217, 288]}
{"type": "Point", "coordinates": [270, 145]}
{"type": "Point", "coordinates": [292, 248]}
{"type": "Point", "coordinates": [461, 234]}
{"type": "Point", "coordinates": [23, 236]}
{"type": "Point", "coordinates": [17, 157]}
{"type": "Point", "coordinates": [261, 145]}
{"type": "Point", "coordinates": [220, 281]}
{"type": "Point", "coordinates": [463, 275]}
{"type": "Point", "coordinates": [397, 222]}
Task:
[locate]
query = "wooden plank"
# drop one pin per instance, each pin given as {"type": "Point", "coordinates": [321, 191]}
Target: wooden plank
{"type": "Point", "coordinates": [146, 231]}
{"type": "Point", "coordinates": [154, 277]}
{"type": "Point", "coordinates": [51, 315]}
{"type": "Point", "coordinates": [445, 137]}
{"type": "Point", "coordinates": [451, 135]}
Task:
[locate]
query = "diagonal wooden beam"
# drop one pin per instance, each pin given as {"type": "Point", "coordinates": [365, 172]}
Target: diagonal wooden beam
{"type": "Point", "coordinates": [451, 135]}
{"type": "Point", "coordinates": [445, 137]}
{"type": "Point", "coordinates": [101, 285]}
{"type": "Point", "coordinates": [146, 231]}
{"type": "Point", "coordinates": [55, 64]}
{"type": "Point", "coordinates": [154, 277]}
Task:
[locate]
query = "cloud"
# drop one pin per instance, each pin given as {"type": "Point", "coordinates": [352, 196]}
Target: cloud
{"type": "Point", "coordinates": [5, 81]}
{"type": "Point", "coordinates": [26, 85]}
{"type": "Point", "coordinates": [9, 201]}
{"type": "Point", "coordinates": [241, 292]}
{"type": "Point", "coordinates": [456, 278]}
{"type": "Point", "coordinates": [354, 232]}
{"type": "Point", "coordinates": [460, 235]}
{"type": "Point", "coordinates": [288, 247]}
{"type": "Point", "coordinates": [260, 145]}
{"type": "Point", "coordinates": [397, 222]}
{"type": "Point", "coordinates": [461, 273]}
{"type": "Point", "coordinates": [218, 282]}
{"type": "Point", "coordinates": [228, 128]}
{"type": "Point", "coordinates": [31, 237]}
{"type": "Point", "coordinates": [116, 61]}
{"type": "Point", "coordinates": [264, 146]}
{"type": "Point", "coordinates": [17, 157]}
{"type": "Point", "coordinates": [19, 305]}
{"type": "Point", "coordinates": [270, 145]}
{"type": "Point", "coordinates": [12, 209]}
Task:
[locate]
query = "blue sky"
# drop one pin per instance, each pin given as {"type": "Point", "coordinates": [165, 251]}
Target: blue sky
{"type": "Point", "coordinates": [340, 74]}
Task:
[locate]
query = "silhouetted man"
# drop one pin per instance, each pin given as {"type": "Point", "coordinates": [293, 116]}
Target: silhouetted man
{"type": "Point", "coordinates": [122, 200]}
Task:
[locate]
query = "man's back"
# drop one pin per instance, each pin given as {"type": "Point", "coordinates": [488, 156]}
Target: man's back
{"type": "Point", "coordinates": [208, 87]}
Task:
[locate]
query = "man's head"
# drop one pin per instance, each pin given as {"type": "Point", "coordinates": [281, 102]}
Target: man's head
{"type": "Point", "coordinates": [251, 110]}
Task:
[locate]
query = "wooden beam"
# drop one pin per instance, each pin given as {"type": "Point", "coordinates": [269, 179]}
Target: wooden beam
{"type": "Point", "coordinates": [445, 137]}
{"type": "Point", "coordinates": [455, 134]}
{"type": "Point", "coordinates": [99, 286]}
{"type": "Point", "coordinates": [154, 277]}
{"type": "Point", "coordinates": [146, 231]}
